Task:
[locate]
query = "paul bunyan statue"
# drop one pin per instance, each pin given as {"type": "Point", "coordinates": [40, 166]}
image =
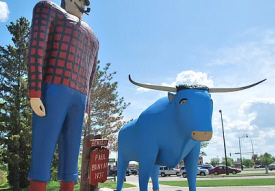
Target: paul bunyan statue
{"type": "Point", "coordinates": [62, 57]}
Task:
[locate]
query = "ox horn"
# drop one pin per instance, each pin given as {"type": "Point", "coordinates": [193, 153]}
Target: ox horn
{"type": "Point", "coordinates": [224, 90]}
{"type": "Point", "coordinates": [153, 87]}
{"type": "Point", "coordinates": [211, 90]}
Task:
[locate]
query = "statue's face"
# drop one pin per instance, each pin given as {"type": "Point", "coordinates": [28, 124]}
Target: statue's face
{"type": "Point", "coordinates": [72, 7]}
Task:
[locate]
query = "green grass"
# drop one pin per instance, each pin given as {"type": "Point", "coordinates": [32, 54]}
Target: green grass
{"type": "Point", "coordinates": [54, 186]}
{"type": "Point", "coordinates": [227, 182]}
{"type": "Point", "coordinates": [112, 185]}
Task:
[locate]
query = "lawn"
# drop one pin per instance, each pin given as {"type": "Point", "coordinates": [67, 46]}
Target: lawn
{"type": "Point", "coordinates": [227, 182]}
{"type": "Point", "coordinates": [54, 186]}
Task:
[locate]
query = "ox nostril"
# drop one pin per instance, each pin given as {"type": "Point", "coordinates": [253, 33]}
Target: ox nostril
{"type": "Point", "coordinates": [194, 133]}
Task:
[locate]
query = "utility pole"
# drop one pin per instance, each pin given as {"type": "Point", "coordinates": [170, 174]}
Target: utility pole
{"type": "Point", "coordinates": [226, 166]}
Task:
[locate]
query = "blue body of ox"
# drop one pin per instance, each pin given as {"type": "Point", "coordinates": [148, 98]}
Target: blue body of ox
{"type": "Point", "coordinates": [168, 131]}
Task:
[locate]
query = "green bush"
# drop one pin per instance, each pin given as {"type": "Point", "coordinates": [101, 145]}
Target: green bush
{"type": "Point", "coordinates": [3, 178]}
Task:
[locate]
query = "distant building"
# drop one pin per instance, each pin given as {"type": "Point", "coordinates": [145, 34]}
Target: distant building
{"type": "Point", "coordinates": [200, 160]}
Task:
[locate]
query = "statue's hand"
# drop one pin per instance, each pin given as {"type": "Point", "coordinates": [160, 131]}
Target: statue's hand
{"type": "Point", "coordinates": [86, 118]}
{"type": "Point", "coordinates": [38, 107]}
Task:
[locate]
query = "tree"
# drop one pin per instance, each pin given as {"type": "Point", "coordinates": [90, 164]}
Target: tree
{"type": "Point", "coordinates": [15, 112]}
{"type": "Point", "coordinates": [203, 145]}
{"type": "Point", "coordinates": [248, 162]}
{"type": "Point", "coordinates": [256, 159]}
{"type": "Point", "coordinates": [106, 107]}
{"type": "Point", "coordinates": [266, 159]}
{"type": "Point", "coordinates": [214, 161]}
{"type": "Point", "coordinates": [229, 161]}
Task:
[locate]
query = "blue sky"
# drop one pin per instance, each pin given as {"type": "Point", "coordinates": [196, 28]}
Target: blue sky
{"type": "Point", "coordinates": [218, 43]}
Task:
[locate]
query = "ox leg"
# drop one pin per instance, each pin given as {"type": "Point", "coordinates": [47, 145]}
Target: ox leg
{"type": "Point", "coordinates": [146, 163]}
{"type": "Point", "coordinates": [155, 177]}
{"type": "Point", "coordinates": [191, 165]}
{"type": "Point", "coordinates": [121, 172]}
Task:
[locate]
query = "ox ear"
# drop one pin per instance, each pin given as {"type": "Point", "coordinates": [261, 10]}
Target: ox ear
{"type": "Point", "coordinates": [171, 96]}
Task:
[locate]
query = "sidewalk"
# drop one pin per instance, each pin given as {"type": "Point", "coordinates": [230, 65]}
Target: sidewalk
{"type": "Point", "coordinates": [228, 188]}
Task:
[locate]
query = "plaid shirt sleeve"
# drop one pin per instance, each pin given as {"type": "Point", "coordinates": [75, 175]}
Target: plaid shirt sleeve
{"type": "Point", "coordinates": [43, 15]}
{"type": "Point", "coordinates": [91, 82]}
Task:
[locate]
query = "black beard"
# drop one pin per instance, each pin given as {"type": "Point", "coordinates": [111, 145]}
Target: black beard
{"type": "Point", "coordinates": [82, 10]}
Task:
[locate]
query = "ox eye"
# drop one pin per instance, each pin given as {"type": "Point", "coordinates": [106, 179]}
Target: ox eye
{"type": "Point", "coordinates": [182, 101]}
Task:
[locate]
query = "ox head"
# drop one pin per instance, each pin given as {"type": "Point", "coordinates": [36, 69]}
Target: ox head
{"type": "Point", "coordinates": [194, 106]}
{"type": "Point", "coordinates": [193, 109]}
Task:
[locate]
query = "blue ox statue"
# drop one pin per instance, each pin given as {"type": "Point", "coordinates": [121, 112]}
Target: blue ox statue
{"type": "Point", "coordinates": [168, 131]}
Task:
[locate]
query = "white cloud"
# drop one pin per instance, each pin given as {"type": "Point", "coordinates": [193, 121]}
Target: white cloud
{"type": "Point", "coordinates": [187, 77]}
{"type": "Point", "coordinates": [4, 11]}
{"type": "Point", "coordinates": [261, 112]}
{"type": "Point", "coordinates": [191, 77]}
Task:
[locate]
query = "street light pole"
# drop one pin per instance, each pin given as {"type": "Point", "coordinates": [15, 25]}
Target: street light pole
{"type": "Point", "coordinates": [226, 166]}
{"type": "Point", "coordinates": [252, 149]}
{"type": "Point", "coordinates": [240, 153]}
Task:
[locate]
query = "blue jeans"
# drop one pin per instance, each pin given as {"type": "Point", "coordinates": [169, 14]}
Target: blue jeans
{"type": "Point", "coordinates": [65, 109]}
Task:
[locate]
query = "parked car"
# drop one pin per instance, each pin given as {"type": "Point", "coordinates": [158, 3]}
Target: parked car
{"type": "Point", "coordinates": [207, 166]}
{"type": "Point", "coordinates": [113, 172]}
{"type": "Point", "coordinates": [260, 166]}
{"type": "Point", "coordinates": [128, 173]}
{"type": "Point", "coordinates": [166, 171]}
{"type": "Point", "coordinates": [200, 171]}
{"type": "Point", "coordinates": [271, 166]}
{"type": "Point", "coordinates": [133, 171]}
{"type": "Point", "coordinates": [222, 170]}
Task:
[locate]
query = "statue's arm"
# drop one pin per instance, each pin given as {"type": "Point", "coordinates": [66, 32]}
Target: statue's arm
{"type": "Point", "coordinates": [91, 80]}
{"type": "Point", "coordinates": [36, 52]}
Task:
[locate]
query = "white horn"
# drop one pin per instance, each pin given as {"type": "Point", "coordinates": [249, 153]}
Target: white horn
{"type": "Point", "coordinates": [224, 90]}
{"type": "Point", "coordinates": [153, 87]}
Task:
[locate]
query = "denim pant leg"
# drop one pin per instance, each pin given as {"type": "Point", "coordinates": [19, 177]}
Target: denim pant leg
{"type": "Point", "coordinates": [70, 139]}
{"type": "Point", "coordinates": [46, 130]}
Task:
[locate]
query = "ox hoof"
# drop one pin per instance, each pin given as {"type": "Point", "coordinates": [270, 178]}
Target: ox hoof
{"type": "Point", "coordinates": [155, 190]}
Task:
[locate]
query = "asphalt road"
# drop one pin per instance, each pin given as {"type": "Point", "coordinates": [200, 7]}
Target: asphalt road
{"type": "Point", "coordinates": [134, 180]}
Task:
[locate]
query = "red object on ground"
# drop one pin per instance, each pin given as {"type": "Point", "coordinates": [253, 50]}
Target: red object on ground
{"type": "Point", "coordinates": [98, 166]}
{"type": "Point", "coordinates": [37, 186]}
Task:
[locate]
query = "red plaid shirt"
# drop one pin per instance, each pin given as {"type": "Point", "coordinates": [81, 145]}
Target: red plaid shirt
{"type": "Point", "coordinates": [62, 50]}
